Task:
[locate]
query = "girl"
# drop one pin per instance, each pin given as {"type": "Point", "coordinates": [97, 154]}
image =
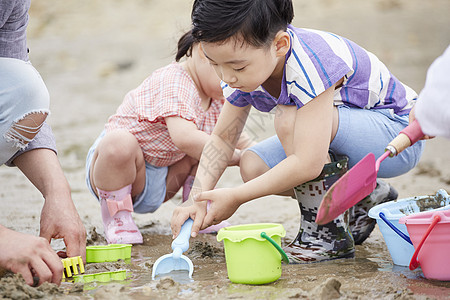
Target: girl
{"type": "Point", "coordinates": [153, 143]}
{"type": "Point", "coordinates": [327, 94]}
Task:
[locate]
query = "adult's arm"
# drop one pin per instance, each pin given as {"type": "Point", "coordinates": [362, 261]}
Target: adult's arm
{"type": "Point", "coordinates": [6, 7]}
{"type": "Point", "coordinates": [59, 217]}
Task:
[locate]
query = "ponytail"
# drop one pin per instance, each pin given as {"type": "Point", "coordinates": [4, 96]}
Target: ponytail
{"type": "Point", "coordinates": [185, 46]}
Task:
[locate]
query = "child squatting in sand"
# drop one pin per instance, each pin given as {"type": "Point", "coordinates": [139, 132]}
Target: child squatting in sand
{"type": "Point", "coordinates": [334, 102]}
{"type": "Point", "coordinates": [153, 142]}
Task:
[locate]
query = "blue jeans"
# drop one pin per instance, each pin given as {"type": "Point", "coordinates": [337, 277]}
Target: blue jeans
{"type": "Point", "coordinates": [360, 132]}
{"type": "Point", "coordinates": [22, 92]}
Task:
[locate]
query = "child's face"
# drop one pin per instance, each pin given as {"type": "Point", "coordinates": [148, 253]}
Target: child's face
{"type": "Point", "coordinates": [242, 66]}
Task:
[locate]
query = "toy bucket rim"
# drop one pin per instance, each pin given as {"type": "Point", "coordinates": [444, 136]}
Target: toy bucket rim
{"type": "Point", "coordinates": [106, 253]}
{"type": "Point", "coordinates": [374, 211]}
{"type": "Point", "coordinates": [384, 207]}
{"type": "Point", "coordinates": [236, 235]}
{"type": "Point", "coordinates": [426, 217]}
{"type": "Point", "coordinates": [108, 247]}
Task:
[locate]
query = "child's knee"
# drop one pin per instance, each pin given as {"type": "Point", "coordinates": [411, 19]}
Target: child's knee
{"type": "Point", "coordinates": [251, 166]}
{"type": "Point", "coordinates": [118, 147]}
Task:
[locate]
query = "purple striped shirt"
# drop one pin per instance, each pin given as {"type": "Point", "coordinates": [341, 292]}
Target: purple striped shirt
{"type": "Point", "coordinates": [319, 59]}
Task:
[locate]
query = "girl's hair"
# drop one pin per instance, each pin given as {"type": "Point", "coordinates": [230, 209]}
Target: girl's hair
{"type": "Point", "coordinates": [255, 22]}
{"type": "Point", "coordinates": [185, 45]}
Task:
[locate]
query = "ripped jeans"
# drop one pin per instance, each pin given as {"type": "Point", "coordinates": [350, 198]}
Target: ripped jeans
{"type": "Point", "coordinates": [24, 105]}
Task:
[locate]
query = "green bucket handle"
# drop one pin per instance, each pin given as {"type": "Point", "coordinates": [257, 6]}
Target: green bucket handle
{"type": "Point", "coordinates": [270, 240]}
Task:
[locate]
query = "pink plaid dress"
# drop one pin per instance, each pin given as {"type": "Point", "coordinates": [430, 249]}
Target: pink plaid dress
{"type": "Point", "coordinates": [168, 92]}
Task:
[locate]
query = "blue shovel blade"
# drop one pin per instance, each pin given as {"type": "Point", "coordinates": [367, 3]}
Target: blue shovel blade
{"type": "Point", "coordinates": [176, 261]}
{"type": "Point", "coordinates": [167, 263]}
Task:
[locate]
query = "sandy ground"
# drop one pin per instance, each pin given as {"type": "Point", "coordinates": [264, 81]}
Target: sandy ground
{"type": "Point", "coordinates": [90, 55]}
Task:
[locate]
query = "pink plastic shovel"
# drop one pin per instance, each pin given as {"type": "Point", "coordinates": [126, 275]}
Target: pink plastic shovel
{"type": "Point", "coordinates": [360, 180]}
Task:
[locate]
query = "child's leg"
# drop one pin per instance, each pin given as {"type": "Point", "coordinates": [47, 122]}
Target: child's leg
{"type": "Point", "coordinates": [117, 162]}
{"type": "Point", "coordinates": [361, 132]}
{"type": "Point", "coordinates": [361, 225]}
{"type": "Point", "coordinates": [178, 175]}
{"type": "Point", "coordinates": [260, 158]}
{"type": "Point", "coordinates": [187, 186]}
{"type": "Point", "coordinates": [320, 242]}
{"type": "Point", "coordinates": [117, 173]}
{"type": "Point", "coordinates": [358, 135]}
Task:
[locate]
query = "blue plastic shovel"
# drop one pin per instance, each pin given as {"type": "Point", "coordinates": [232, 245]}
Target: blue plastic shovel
{"type": "Point", "coordinates": [176, 260]}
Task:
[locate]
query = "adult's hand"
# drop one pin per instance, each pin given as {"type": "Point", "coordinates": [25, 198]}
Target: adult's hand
{"type": "Point", "coordinates": [30, 256]}
{"type": "Point", "coordinates": [59, 217]}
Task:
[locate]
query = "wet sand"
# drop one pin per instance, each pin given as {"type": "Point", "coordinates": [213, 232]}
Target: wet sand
{"type": "Point", "coordinates": [90, 55]}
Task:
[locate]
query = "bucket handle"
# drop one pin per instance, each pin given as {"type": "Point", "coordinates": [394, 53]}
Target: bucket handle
{"type": "Point", "coordinates": [397, 231]}
{"type": "Point", "coordinates": [275, 244]}
{"type": "Point", "coordinates": [414, 262]}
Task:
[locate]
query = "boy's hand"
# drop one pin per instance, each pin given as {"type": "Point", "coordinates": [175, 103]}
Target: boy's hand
{"type": "Point", "coordinates": [196, 212]}
{"type": "Point", "coordinates": [222, 205]}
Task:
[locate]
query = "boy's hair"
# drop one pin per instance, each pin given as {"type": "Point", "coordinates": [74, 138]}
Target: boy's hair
{"type": "Point", "coordinates": [255, 22]}
{"type": "Point", "coordinates": [185, 44]}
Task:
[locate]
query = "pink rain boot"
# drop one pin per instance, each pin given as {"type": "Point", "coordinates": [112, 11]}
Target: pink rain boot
{"type": "Point", "coordinates": [187, 187]}
{"type": "Point", "coordinates": [116, 207]}
{"type": "Point", "coordinates": [186, 191]}
{"type": "Point", "coordinates": [215, 228]}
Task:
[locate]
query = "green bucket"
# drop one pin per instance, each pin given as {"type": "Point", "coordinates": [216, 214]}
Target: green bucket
{"type": "Point", "coordinates": [253, 253]}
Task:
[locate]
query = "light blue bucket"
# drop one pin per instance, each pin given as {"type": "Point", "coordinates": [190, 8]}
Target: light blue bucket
{"type": "Point", "coordinates": [395, 234]}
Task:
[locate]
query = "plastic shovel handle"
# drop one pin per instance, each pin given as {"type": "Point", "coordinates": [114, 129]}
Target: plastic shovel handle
{"type": "Point", "coordinates": [380, 159]}
{"type": "Point", "coordinates": [275, 244]}
{"type": "Point", "coordinates": [182, 240]}
{"type": "Point", "coordinates": [407, 137]}
{"type": "Point", "coordinates": [414, 262]}
{"type": "Point", "coordinates": [397, 231]}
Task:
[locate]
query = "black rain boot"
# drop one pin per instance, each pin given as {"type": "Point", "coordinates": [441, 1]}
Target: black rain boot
{"type": "Point", "coordinates": [361, 225]}
{"type": "Point", "coordinates": [320, 242]}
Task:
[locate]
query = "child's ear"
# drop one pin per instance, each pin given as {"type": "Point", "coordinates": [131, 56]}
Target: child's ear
{"type": "Point", "coordinates": [282, 43]}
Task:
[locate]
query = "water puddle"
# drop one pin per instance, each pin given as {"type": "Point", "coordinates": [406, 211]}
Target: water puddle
{"type": "Point", "coordinates": [179, 276]}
